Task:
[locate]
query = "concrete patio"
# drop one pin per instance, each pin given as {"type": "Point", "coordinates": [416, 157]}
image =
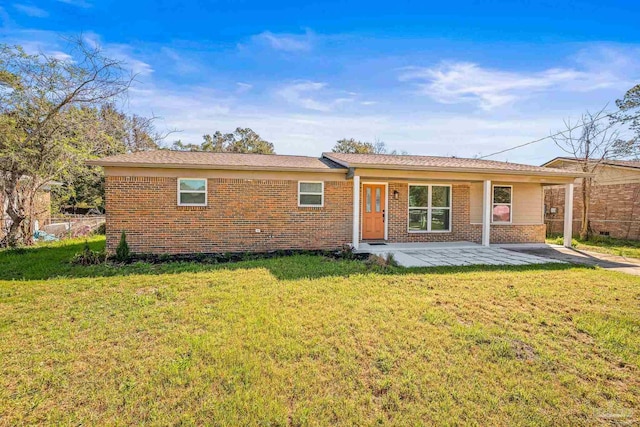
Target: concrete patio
{"type": "Point", "coordinates": [453, 254]}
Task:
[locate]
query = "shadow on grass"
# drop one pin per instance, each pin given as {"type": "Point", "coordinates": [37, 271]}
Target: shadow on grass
{"type": "Point", "coordinates": [52, 261]}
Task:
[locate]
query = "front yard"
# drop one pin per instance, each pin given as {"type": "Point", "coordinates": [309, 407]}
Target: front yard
{"type": "Point", "coordinates": [307, 340]}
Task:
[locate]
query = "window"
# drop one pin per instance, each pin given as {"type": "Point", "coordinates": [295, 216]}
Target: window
{"type": "Point", "coordinates": [502, 203]}
{"type": "Point", "coordinates": [310, 194]}
{"type": "Point", "coordinates": [192, 192]}
{"type": "Point", "coordinates": [429, 208]}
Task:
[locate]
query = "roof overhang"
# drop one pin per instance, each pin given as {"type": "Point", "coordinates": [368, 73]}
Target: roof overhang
{"type": "Point", "coordinates": [212, 167]}
{"type": "Point", "coordinates": [551, 173]}
{"type": "Point", "coordinates": [413, 175]}
{"type": "Point", "coordinates": [469, 170]}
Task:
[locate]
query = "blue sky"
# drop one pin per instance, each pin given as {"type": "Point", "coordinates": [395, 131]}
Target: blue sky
{"type": "Point", "coordinates": [438, 78]}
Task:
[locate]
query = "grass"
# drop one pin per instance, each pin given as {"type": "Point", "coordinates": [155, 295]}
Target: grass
{"type": "Point", "coordinates": [305, 340]}
{"type": "Point", "coordinates": [605, 245]}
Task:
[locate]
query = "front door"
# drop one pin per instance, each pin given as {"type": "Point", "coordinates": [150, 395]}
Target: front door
{"type": "Point", "coordinates": [373, 211]}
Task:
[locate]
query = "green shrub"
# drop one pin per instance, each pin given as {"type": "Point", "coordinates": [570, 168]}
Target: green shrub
{"type": "Point", "coordinates": [88, 256]}
{"type": "Point", "coordinates": [122, 251]}
{"type": "Point", "coordinates": [346, 252]}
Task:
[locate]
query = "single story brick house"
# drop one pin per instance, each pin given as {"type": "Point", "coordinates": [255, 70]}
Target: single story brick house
{"type": "Point", "coordinates": [615, 199]}
{"type": "Point", "coordinates": [202, 202]}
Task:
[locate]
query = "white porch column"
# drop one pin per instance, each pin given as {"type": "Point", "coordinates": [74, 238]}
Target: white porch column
{"type": "Point", "coordinates": [568, 214]}
{"type": "Point", "coordinates": [486, 213]}
{"type": "Point", "coordinates": [356, 212]}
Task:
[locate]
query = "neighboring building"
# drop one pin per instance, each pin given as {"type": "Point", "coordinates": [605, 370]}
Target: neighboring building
{"type": "Point", "coordinates": [188, 202]}
{"type": "Point", "coordinates": [615, 199]}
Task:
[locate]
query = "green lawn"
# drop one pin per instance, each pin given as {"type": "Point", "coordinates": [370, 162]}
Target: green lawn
{"type": "Point", "coordinates": [605, 245]}
{"type": "Point", "coordinates": [306, 340]}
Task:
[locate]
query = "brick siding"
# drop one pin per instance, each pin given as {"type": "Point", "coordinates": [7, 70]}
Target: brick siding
{"type": "Point", "coordinates": [614, 209]}
{"type": "Point", "coordinates": [146, 208]}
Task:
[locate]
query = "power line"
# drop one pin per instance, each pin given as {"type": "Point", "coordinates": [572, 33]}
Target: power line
{"type": "Point", "coordinates": [546, 137]}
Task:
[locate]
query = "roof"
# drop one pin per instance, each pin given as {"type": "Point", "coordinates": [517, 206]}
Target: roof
{"type": "Point", "coordinates": [634, 164]}
{"type": "Point", "coordinates": [329, 162]}
{"type": "Point", "coordinates": [389, 161]}
{"type": "Point", "coordinates": [208, 160]}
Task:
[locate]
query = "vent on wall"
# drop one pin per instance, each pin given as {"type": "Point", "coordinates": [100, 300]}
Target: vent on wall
{"type": "Point", "coordinates": [604, 233]}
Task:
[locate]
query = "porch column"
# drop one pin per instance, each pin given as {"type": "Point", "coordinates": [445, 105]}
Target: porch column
{"type": "Point", "coordinates": [568, 214]}
{"type": "Point", "coordinates": [356, 212]}
{"type": "Point", "coordinates": [486, 213]}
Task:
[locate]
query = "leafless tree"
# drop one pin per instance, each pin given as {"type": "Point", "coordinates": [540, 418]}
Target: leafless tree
{"type": "Point", "coordinates": [590, 140]}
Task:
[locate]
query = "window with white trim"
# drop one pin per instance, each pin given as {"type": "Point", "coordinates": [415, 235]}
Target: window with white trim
{"type": "Point", "coordinates": [502, 203]}
{"type": "Point", "coordinates": [192, 192]}
{"type": "Point", "coordinates": [310, 194]}
{"type": "Point", "coordinates": [429, 208]}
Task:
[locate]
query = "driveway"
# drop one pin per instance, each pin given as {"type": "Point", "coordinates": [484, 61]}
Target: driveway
{"type": "Point", "coordinates": [574, 256]}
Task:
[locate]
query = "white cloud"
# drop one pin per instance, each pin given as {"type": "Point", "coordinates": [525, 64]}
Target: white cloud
{"type": "Point", "coordinates": [243, 87]}
{"type": "Point", "coordinates": [31, 10]}
{"type": "Point", "coordinates": [199, 110]}
{"type": "Point", "coordinates": [181, 64]}
{"type": "Point", "coordinates": [312, 96]}
{"type": "Point", "coordinates": [286, 42]}
{"type": "Point", "coordinates": [458, 82]}
{"type": "Point", "coordinates": [593, 68]}
{"type": "Point", "coordinates": [61, 56]}
{"type": "Point", "coordinates": [608, 66]}
{"type": "Point", "coordinates": [121, 52]}
{"type": "Point", "coordinates": [48, 49]}
{"type": "Point", "coordinates": [79, 3]}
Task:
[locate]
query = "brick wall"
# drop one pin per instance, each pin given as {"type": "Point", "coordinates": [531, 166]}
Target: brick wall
{"type": "Point", "coordinates": [461, 227]}
{"type": "Point", "coordinates": [533, 233]}
{"type": "Point", "coordinates": [146, 208]}
{"type": "Point", "coordinates": [614, 209]}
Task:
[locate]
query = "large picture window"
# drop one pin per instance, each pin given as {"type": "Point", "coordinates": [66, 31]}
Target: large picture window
{"type": "Point", "coordinates": [502, 203]}
{"type": "Point", "coordinates": [192, 192]}
{"type": "Point", "coordinates": [310, 194]}
{"type": "Point", "coordinates": [429, 208]}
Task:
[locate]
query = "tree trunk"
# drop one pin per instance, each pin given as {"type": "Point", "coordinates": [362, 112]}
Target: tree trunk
{"type": "Point", "coordinates": [586, 199]}
{"type": "Point", "coordinates": [17, 217]}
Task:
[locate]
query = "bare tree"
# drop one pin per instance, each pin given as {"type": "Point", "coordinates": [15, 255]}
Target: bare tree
{"type": "Point", "coordinates": [590, 141]}
{"type": "Point", "coordinates": [38, 96]}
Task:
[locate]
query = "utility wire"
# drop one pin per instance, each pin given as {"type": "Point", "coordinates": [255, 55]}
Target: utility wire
{"type": "Point", "coordinates": [546, 137]}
